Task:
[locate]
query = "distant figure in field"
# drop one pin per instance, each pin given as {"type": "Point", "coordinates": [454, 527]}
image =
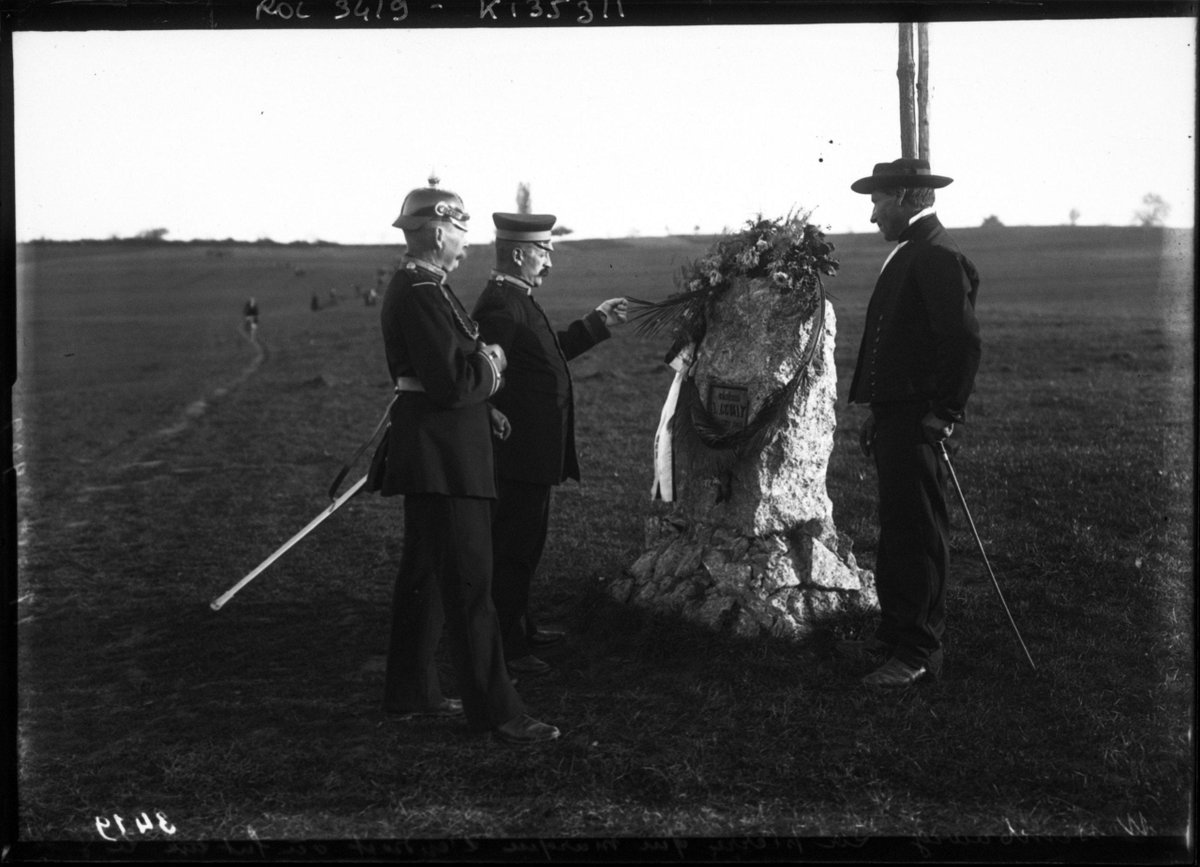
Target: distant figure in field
{"type": "Point", "coordinates": [250, 314]}
{"type": "Point", "coordinates": [371, 298]}
{"type": "Point", "coordinates": [916, 368]}
{"type": "Point", "coordinates": [540, 406]}
{"type": "Point", "coordinates": [438, 455]}
{"type": "Point", "coordinates": [333, 296]}
{"type": "Point", "coordinates": [315, 303]}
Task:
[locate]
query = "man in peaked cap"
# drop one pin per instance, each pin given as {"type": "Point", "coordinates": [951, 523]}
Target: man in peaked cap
{"type": "Point", "coordinates": [916, 368]}
{"type": "Point", "coordinates": [438, 455]}
{"type": "Point", "coordinates": [539, 404]}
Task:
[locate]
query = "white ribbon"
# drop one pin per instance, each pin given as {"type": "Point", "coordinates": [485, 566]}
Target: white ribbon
{"type": "Point", "coordinates": [664, 461]}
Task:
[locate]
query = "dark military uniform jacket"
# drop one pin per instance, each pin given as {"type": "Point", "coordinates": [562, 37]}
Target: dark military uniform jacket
{"type": "Point", "coordinates": [921, 340]}
{"type": "Point", "coordinates": [538, 398]}
{"type": "Point", "coordinates": [440, 439]}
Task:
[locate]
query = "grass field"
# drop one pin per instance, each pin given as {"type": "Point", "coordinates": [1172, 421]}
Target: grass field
{"type": "Point", "coordinates": [164, 455]}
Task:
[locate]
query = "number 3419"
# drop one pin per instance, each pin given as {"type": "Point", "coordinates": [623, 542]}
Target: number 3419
{"type": "Point", "coordinates": [142, 824]}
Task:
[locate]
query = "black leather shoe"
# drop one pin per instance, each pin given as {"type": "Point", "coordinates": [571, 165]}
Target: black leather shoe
{"type": "Point", "coordinates": [448, 707]}
{"type": "Point", "coordinates": [546, 637]}
{"type": "Point", "coordinates": [895, 673]}
{"type": "Point", "coordinates": [524, 729]}
{"type": "Point", "coordinates": [528, 665]}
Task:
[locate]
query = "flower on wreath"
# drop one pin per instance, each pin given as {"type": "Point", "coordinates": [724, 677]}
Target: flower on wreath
{"type": "Point", "coordinates": [790, 253]}
{"type": "Point", "coordinates": [748, 258]}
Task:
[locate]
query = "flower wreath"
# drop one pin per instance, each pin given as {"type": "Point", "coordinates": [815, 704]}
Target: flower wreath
{"type": "Point", "coordinates": [791, 254]}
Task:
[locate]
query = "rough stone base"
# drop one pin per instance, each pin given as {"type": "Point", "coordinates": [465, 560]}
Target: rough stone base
{"type": "Point", "coordinates": [751, 586]}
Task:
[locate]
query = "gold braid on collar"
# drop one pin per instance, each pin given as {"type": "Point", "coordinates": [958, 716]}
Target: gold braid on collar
{"type": "Point", "coordinates": [465, 323]}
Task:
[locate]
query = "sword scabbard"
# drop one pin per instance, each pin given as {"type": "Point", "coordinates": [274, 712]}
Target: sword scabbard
{"type": "Point", "coordinates": [286, 546]}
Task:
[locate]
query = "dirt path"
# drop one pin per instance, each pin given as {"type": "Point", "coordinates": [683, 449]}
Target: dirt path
{"type": "Point", "coordinates": [199, 407]}
{"type": "Point", "coordinates": [134, 467]}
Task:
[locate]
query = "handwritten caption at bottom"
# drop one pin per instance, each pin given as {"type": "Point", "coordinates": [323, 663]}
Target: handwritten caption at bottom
{"type": "Point", "coordinates": [142, 826]}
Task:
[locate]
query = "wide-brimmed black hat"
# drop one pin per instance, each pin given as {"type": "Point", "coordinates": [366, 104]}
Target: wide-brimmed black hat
{"type": "Point", "coordinates": [905, 172]}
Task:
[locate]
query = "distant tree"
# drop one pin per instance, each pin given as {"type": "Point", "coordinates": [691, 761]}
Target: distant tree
{"type": "Point", "coordinates": [524, 199]}
{"type": "Point", "coordinates": [152, 235]}
{"type": "Point", "coordinates": [992, 222]}
{"type": "Point", "coordinates": [1155, 212]}
{"type": "Point", "coordinates": [561, 230]}
{"type": "Point", "coordinates": [696, 230]}
{"type": "Point", "coordinates": [1074, 215]}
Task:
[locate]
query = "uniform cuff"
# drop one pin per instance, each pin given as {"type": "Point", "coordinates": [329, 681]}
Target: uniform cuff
{"type": "Point", "coordinates": [497, 381]}
{"type": "Point", "coordinates": [594, 323]}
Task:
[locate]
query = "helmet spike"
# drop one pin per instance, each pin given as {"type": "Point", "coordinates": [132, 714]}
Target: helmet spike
{"type": "Point", "coordinates": [431, 203]}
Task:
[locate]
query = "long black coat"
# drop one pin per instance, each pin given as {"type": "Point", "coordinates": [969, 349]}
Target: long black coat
{"type": "Point", "coordinates": [440, 440]}
{"type": "Point", "coordinates": [921, 341]}
{"type": "Point", "coordinates": [538, 397]}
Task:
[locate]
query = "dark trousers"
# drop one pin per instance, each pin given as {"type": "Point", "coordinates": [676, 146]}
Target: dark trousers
{"type": "Point", "coordinates": [445, 578]}
{"type": "Point", "coordinates": [914, 537]}
{"type": "Point", "coordinates": [520, 520]}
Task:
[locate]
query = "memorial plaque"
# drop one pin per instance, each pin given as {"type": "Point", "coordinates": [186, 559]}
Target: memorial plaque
{"type": "Point", "coordinates": [729, 404]}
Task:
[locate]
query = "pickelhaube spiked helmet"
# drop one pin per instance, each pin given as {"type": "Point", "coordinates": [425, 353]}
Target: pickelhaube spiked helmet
{"type": "Point", "coordinates": [431, 204]}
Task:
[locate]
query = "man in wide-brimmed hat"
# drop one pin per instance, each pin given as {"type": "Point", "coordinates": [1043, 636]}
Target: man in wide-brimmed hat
{"type": "Point", "coordinates": [916, 368]}
{"type": "Point", "coordinates": [438, 455]}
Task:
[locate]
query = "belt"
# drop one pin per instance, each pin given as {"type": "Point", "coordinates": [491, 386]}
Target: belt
{"type": "Point", "coordinates": [408, 383]}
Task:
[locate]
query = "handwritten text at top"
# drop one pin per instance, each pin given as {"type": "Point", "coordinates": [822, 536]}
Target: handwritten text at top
{"type": "Point", "coordinates": [395, 11]}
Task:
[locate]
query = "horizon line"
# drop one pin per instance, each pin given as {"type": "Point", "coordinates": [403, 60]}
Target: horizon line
{"type": "Point", "coordinates": [318, 242]}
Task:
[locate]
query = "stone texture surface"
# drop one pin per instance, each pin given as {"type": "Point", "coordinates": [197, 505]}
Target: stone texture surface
{"type": "Point", "coordinates": [767, 559]}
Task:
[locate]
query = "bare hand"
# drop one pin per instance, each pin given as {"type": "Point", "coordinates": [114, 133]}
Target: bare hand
{"type": "Point", "coordinates": [614, 310]}
{"type": "Point", "coordinates": [866, 435]}
{"type": "Point", "coordinates": [495, 352]}
{"type": "Point", "coordinates": [501, 428]}
{"type": "Point", "coordinates": [936, 429]}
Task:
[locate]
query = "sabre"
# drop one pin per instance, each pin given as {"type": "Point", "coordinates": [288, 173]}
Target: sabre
{"type": "Point", "coordinates": [341, 476]}
{"type": "Point", "coordinates": [978, 541]}
{"type": "Point", "coordinates": [283, 549]}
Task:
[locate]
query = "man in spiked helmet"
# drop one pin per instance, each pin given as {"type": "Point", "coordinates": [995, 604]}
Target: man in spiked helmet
{"type": "Point", "coordinates": [438, 455]}
{"type": "Point", "coordinates": [916, 368]}
{"type": "Point", "coordinates": [540, 406]}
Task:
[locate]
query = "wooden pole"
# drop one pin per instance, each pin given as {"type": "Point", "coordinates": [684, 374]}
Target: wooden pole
{"type": "Point", "coordinates": [923, 90]}
{"type": "Point", "coordinates": [905, 72]}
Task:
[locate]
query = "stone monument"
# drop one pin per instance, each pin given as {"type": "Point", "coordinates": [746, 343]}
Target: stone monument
{"type": "Point", "coordinates": [748, 545]}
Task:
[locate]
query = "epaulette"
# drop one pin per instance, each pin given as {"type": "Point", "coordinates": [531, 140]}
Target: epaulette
{"type": "Point", "coordinates": [515, 282]}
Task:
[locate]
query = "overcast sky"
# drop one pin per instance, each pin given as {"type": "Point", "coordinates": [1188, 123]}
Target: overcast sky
{"type": "Point", "coordinates": [318, 134]}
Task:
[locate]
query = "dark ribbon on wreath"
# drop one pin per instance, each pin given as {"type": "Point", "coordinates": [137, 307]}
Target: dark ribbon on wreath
{"type": "Point", "coordinates": [721, 444]}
